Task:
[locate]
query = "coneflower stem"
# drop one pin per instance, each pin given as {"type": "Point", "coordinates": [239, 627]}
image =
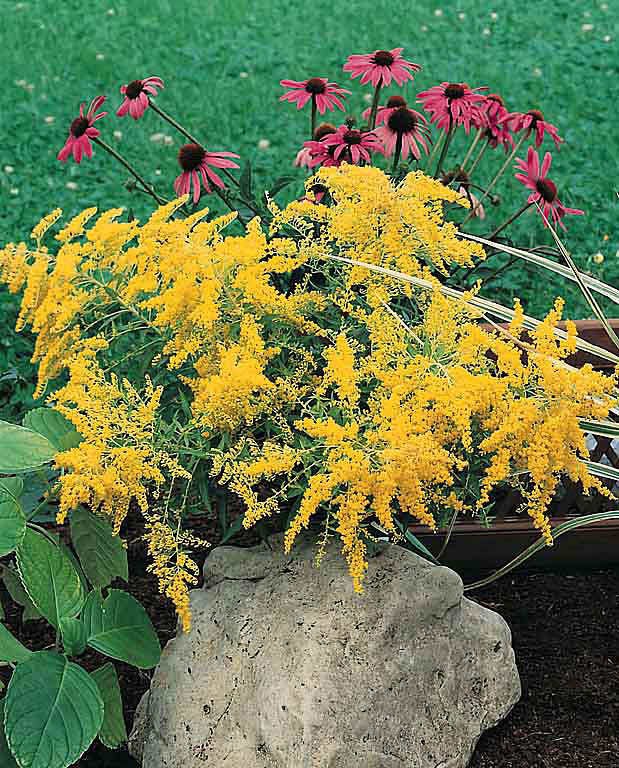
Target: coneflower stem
{"type": "Point", "coordinates": [374, 109]}
{"type": "Point", "coordinates": [435, 148]}
{"type": "Point", "coordinates": [478, 158]}
{"type": "Point", "coordinates": [502, 169]}
{"type": "Point", "coordinates": [185, 133]}
{"type": "Point", "coordinates": [509, 221]}
{"type": "Point", "coordinates": [474, 143]}
{"type": "Point", "coordinates": [313, 117]}
{"type": "Point", "coordinates": [396, 153]}
{"type": "Point", "coordinates": [132, 171]}
{"type": "Point", "coordinates": [450, 133]}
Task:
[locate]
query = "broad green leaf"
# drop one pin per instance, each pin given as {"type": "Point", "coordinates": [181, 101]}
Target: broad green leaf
{"type": "Point", "coordinates": [12, 525]}
{"type": "Point", "coordinates": [11, 649]}
{"type": "Point", "coordinates": [53, 711]}
{"type": "Point", "coordinates": [73, 634]}
{"type": "Point", "coordinates": [113, 732]}
{"type": "Point", "coordinates": [6, 758]}
{"type": "Point", "coordinates": [11, 488]}
{"type": "Point", "coordinates": [23, 450]}
{"type": "Point", "coordinates": [120, 628]}
{"type": "Point", "coordinates": [54, 426]}
{"type": "Point", "coordinates": [49, 578]}
{"type": "Point", "coordinates": [14, 587]}
{"type": "Point", "coordinates": [101, 553]}
{"type": "Point", "coordinates": [37, 486]}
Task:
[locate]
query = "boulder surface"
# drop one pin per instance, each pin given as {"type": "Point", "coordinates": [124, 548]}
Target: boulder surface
{"type": "Point", "coordinates": [286, 667]}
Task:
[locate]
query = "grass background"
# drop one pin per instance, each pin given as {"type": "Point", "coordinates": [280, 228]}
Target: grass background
{"type": "Point", "coordinates": [222, 61]}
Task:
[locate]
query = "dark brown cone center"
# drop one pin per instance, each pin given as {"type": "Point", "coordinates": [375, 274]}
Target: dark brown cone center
{"type": "Point", "coordinates": [324, 129]}
{"type": "Point", "coordinates": [79, 126]}
{"type": "Point", "coordinates": [383, 58]}
{"type": "Point", "coordinates": [454, 91]}
{"type": "Point", "coordinates": [190, 156]}
{"type": "Point", "coordinates": [402, 120]}
{"type": "Point", "coordinates": [352, 137]}
{"type": "Point", "coordinates": [134, 89]}
{"type": "Point", "coordinates": [315, 86]}
{"type": "Point", "coordinates": [536, 115]}
{"type": "Point", "coordinates": [395, 101]}
{"type": "Point", "coordinates": [546, 189]}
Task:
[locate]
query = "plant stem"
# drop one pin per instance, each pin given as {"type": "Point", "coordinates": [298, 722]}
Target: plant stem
{"type": "Point", "coordinates": [478, 158]}
{"type": "Point", "coordinates": [502, 169]}
{"type": "Point", "coordinates": [467, 157]}
{"type": "Point", "coordinates": [396, 153]}
{"type": "Point", "coordinates": [185, 133]}
{"type": "Point", "coordinates": [313, 124]}
{"type": "Point", "coordinates": [132, 171]}
{"type": "Point", "coordinates": [509, 221]}
{"type": "Point", "coordinates": [374, 110]}
{"type": "Point", "coordinates": [435, 148]}
{"type": "Point", "coordinates": [448, 138]}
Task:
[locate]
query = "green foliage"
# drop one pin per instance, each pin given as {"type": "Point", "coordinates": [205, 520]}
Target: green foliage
{"type": "Point", "coordinates": [120, 628]}
{"type": "Point", "coordinates": [23, 450]}
{"type": "Point", "coordinates": [53, 711]}
{"type": "Point", "coordinates": [113, 731]}
{"type": "Point", "coordinates": [52, 425]}
{"type": "Point", "coordinates": [101, 554]}
{"type": "Point", "coordinates": [49, 577]}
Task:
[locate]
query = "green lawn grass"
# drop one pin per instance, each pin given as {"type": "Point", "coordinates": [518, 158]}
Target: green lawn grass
{"type": "Point", "coordinates": [222, 61]}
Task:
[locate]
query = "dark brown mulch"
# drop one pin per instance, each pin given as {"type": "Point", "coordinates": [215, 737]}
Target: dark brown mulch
{"type": "Point", "coordinates": [565, 629]}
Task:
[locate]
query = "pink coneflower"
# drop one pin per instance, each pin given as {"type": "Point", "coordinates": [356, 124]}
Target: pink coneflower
{"type": "Point", "coordinates": [533, 120]}
{"type": "Point", "coordinates": [136, 96]}
{"type": "Point", "coordinates": [304, 155]}
{"type": "Point", "coordinates": [543, 190]}
{"type": "Point", "coordinates": [492, 114]}
{"type": "Point", "coordinates": [351, 145]}
{"type": "Point", "coordinates": [82, 130]}
{"type": "Point", "coordinates": [381, 67]}
{"type": "Point", "coordinates": [383, 112]}
{"type": "Point", "coordinates": [195, 162]}
{"type": "Point", "coordinates": [326, 95]}
{"type": "Point", "coordinates": [452, 104]}
{"type": "Point", "coordinates": [411, 126]}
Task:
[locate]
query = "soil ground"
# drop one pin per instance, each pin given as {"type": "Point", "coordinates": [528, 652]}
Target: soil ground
{"type": "Point", "coordinates": [565, 629]}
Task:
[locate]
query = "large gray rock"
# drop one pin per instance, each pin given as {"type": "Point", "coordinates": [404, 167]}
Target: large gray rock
{"type": "Point", "coordinates": [285, 667]}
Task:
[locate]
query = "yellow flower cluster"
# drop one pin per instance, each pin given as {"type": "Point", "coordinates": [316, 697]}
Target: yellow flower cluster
{"type": "Point", "coordinates": [305, 385]}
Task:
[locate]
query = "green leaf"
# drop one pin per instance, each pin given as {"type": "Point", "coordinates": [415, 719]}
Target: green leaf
{"type": "Point", "coordinates": [6, 758]}
{"type": "Point", "coordinates": [14, 587]}
{"type": "Point", "coordinates": [100, 552]}
{"type": "Point", "coordinates": [11, 488]}
{"type": "Point", "coordinates": [38, 484]}
{"type": "Point", "coordinates": [53, 711]}
{"type": "Point", "coordinates": [11, 649]}
{"type": "Point", "coordinates": [49, 578]}
{"type": "Point", "coordinates": [73, 634]}
{"type": "Point", "coordinates": [12, 524]}
{"type": "Point", "coordinates": [234, 527]}
{"type": "Point", "coordinates": [120, 628]}
{"type": "Point", "coordinates": [54, 426]}
{"type": "Point", "coordinates": [113, 732]}
{"type": "Point", "coordinates": [412, 539]}
{"type": "Point", "coordinates": [22, 450]}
